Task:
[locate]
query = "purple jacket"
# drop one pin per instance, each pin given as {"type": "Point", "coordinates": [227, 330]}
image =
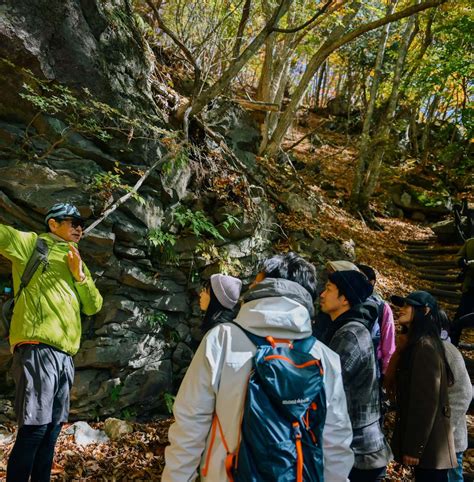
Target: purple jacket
{"type": "Point", "coordinates": [386, 346]}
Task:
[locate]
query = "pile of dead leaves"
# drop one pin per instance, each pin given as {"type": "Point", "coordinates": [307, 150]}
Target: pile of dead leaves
{"type": "Point", "coordinates": [140, 456]}
{"type": "Point", "coordinates": [136, 456]}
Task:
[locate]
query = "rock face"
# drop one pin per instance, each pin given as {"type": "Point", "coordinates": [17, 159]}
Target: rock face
{"type": "Point", "coordinates": [418, 202]}
{"type": "Point", "coordinates": [139, 345]}
{"type": "Point", "coordinates": [80, 43]}
{"type": "Point", "coordinates": [137, 348]}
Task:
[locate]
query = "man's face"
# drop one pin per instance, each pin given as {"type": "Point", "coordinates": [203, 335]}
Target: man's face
{"type": "Point", "coordinates": [69, 229]}
{"type": "Point", "coordinates": [332, 302]}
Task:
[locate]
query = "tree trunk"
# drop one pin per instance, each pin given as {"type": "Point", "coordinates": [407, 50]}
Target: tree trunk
{"type": "Point", "coordinates": [365, 137]}
{"type": "Point", "coordinates": [272, 88]}
{"type": "Point", "coordinates": [413, 132]}
{"type": "Point", "coordinates": [382, 136]}
{"type": "Point", "coordinates": [319, 84]}
{"type": "Point", "coordinates": [336, 39]}
{"type": "Point", "coordinates": [200, 102]}
{"type": "Point", "coordinates": [314, 64]}
{"type": "Point", "coordinates": [240, 31]}
{"type": "Point", "coordinates": [425, 150]}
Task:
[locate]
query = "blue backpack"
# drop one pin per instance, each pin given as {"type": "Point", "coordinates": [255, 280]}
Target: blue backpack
{"type": "Point", "coordinates": [283, 417]}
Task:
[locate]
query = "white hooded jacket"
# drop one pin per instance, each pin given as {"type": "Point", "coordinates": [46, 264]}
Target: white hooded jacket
{"type": "Point", "coordinates": [217, 380]}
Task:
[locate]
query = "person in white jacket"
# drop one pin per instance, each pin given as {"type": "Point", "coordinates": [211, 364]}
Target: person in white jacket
{"type": "Point", "coordinates": [280, 304]}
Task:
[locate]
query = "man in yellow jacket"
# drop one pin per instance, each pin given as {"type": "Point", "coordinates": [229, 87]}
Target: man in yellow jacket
{"type": "Point", "coordinates": [45, 333]}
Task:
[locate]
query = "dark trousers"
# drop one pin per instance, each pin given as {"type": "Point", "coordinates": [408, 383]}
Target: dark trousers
{"type": "Point", "coordinates": [466, 303]}
{"type": "Point", "coordinates": [431, 475]}
{"type": "Point", "coordinates": [455, 330]}
{"type": "Point", "coordinates": [370, 475]}
{"type": "Point", "coordinates": [33, 452]}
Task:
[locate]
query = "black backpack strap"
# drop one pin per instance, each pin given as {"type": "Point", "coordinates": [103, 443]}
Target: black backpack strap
{"type": "Point", "coordinates": [38, 257]}
{"type": "Point", "coordinates": [381, 309]}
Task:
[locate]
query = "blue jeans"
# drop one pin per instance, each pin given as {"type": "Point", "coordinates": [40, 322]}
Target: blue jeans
{"type": "Point", "coordinates": [455, 475]}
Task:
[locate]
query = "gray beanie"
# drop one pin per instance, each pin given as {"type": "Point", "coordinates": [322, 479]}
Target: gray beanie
{"type": "Point", "coordinates": [227, 289]}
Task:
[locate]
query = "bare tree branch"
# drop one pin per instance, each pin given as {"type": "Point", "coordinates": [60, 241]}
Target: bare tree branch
{"type": "Point", "coordinates": [187, 53]}
{"type": "Point", "coordinates": [215, 28]}
{"type": "Point", "coordinates": [320, 12]}
{"type": "Point", "coordinates": [236, 66]}
{"type": "Point", "coordinates": [240, 30]}
{"type": "Point", "coordinates": [129, 194]}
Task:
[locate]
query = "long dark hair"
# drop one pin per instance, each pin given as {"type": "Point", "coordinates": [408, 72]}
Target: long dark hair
{"type": "Point", "coordinates": [426, 325]}
{"type": "Point", "coordinates": [213, 312]}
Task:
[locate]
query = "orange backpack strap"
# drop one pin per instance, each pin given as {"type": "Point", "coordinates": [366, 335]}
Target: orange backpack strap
{"type": "Point", "coordinates": [229, 460]}
{"type": "Point", "coordinates": [205, 469]}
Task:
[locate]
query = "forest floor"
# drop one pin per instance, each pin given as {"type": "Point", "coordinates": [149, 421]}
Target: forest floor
{"type": "Point", "coordinates": [330, 164]}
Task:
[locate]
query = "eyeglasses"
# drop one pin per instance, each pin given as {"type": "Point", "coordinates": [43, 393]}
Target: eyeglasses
{"type": "Point", "coordinates": [75, 223]}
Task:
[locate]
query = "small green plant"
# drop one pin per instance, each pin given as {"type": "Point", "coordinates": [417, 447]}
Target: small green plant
{"type": "Point", "coordinates": [115, 392]}
{"type": "Point", "coordinates": [196, 222]}
{"type": "Point", "coordinates": [228, 265]}
{"type": "Point", "coordinates": [161, 239]}
{"type": "Point", "coordinates": [432, 200]}
{"type": "Point", "coordinates": [105, 184]}
{"type": "Point", "coordinates": [165, 242]}
{"type": "Point", "coordinates": [169, 401]}
{"type": "Point", "coordinates": [79, 112]}
{"type": "Point", "coordinates": [180, 160]}
{"type": "Point", "coordinates": [128, 414]}
{"type": "Point", "coordinates": [157, 318]}
{"type": "Point", "coordinates": [230, 222]}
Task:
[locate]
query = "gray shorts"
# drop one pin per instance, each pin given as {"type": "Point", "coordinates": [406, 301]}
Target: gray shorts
{"type": "Point", "coordinates": [43, 377]}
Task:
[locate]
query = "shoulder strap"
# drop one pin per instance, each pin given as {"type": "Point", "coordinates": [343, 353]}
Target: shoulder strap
{"type": "Point", "coordinates": [37, 258]}
{"type": "Point", "coordinates": [381, 309]}
{"type": "Point", "coordinates": [304, 345]}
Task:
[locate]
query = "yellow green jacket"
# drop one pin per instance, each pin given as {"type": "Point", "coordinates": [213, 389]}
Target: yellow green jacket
{"type": "Point", "coordinates": [48, 309]}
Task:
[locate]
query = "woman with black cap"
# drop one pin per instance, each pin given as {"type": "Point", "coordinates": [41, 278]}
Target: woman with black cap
{"type": "Point", "coordinates": [423, 436]}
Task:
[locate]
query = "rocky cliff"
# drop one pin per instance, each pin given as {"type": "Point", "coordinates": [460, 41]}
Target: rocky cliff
{"type": "Point", "coordinates": [62, 59]}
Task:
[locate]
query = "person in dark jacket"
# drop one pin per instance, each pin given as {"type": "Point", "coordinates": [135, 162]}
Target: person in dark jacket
{"type": "Point", "coordinates": [352, 319]}
{"type": "Point", "coordinates": [219, 300]}
{"type": "Point", "coordinates": [423, 435]}
{"type": "Point", "coordinates": [465, 258]}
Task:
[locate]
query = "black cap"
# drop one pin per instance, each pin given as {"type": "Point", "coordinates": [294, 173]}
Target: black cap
{"type": "Point", "coordinates": [417, 298]}
{"type": "Point", "coordinates": [354, 285]}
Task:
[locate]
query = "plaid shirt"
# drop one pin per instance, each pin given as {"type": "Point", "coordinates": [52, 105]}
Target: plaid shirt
{"type": "Point", "coordinates": [353, 343]}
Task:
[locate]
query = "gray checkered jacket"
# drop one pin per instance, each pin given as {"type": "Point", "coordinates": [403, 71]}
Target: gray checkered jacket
{"type": "Point", "coordinates": [353, 343]}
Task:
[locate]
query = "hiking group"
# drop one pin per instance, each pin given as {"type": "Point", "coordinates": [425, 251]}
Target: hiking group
{"type": "Point", "coordinates": [275, 391]}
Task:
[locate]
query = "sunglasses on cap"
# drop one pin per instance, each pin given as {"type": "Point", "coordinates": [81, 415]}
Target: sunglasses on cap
{"type": "Point", "coordinates": [75, 222]}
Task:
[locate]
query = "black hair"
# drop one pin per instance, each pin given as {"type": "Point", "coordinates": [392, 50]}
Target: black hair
{"type": "Point", "coordinates": [213, 312]}
{"type": "Point", "coordinates": [426, 325]}
{"type": "Point", "coordinates": [292, 267]}
{"type": "Point", "coordinates": [368, 271]}
{"type": "Point", "coordinates": [444, 321]}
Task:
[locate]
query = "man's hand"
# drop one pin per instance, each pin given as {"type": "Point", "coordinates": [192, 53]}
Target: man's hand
{"type": "Point", "coordinates": [74, 262]}
{"type": "Point", "coordinates": [407, 460]}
